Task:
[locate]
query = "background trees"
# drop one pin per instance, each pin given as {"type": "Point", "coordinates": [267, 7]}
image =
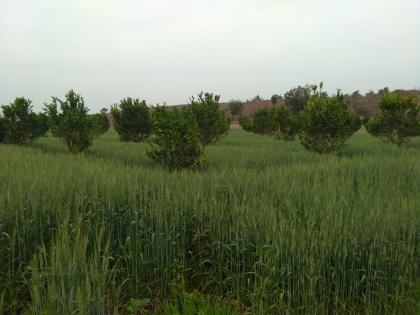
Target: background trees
{"type": "Point", "coordinates": [20, 124]}
{"type": "Point", "coordinates": [297, 98]}
{"type": "Point", "coordinates": [100, 123]}
{"type": "Point", "coordinates": [398, 120]}
{"type": "Point", "coordinates": [72, 124]}
{"type": "Point", "coordinates": [131, 120]}
{"type": "Point", "coordinates": [235, 107]}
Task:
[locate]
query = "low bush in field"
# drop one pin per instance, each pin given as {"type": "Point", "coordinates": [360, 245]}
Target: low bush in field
{"type": "Point", "coordinates": [132, 120]}
{"type": "Point", "coordinates": [326, 123]}
{"type": "Point", "coordinates": [276, 121]}
{"type": "Point", "coordinates": [72, 124]}
{"type": "Point", "coordinates": [213, 124]}
{"type": "Point", "coordinates": [20, 124]}
{"type": "Point", "coordinates": [100, 124]}
{"type": "Point", "coordinates": [398, 120]}
{"type": "Point", "coordinates": [175, 143]}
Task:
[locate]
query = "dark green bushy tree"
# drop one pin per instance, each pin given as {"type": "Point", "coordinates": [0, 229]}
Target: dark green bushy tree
{"type": "Point", "coordinates": [100, 123]}
{"type": "Point", "coordinates": [132, 120]}
{"type": "Point", "coordinates": [297, 98]}
{"type": "Point", "coordinates": [398, 121]}
{"type": "Point", "coordinates": [276, 121]}
{"type": "Point", "coordinates": [246, 123]}
{"type": "Point", "coordinates": [21, 125]}
{"type": "Point", "coordinates": [175, 143]}
{"type": "Point", "coordinates": [2, 130]}
{"type": "Point", "coordinates": [72, 124]}
{"type": "Point", "coordinates": [326, 122]}
{"type": "Point", "coordinates": [212, 123]}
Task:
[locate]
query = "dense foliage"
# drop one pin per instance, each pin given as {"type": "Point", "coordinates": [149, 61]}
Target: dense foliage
{"type": "Point", "coordinates": [20, 124]}
{"type": "Point", "coordinates": [275, 121]}
{"type": "Point", "coordinates": [132, 120]}
{"type": "Point", "coordinates": [297, 98]}
{"type": "Point", "coordinates": [71, 123]}
{"type": "Point", "coordinates": [175, 143]}
{"type": "Point", "coordinates": [326, 123]}
{"type": "Point", "coordinates": [2, 129]}
{"type": "Point", "coordinates": [100, 123]}
{"type": "Point", "coordinates": [398, 120]}
{"type": "Point", "coordinates": [213, 124]}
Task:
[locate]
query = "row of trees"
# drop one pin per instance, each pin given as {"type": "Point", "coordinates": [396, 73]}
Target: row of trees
{"type": "Point", "coordinates": [324, 123]}
{"type": "Point", "coordinates": [67, 119]}
{"type": "Point", "coordinates": [177, 137]}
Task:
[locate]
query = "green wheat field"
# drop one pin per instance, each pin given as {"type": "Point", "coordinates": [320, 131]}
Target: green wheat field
{"type": "Point", "coordinates": [264, 227]}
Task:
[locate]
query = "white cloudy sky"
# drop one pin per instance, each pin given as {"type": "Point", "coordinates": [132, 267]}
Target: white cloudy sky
{"type": "Point", "coordinates": [168, 50]}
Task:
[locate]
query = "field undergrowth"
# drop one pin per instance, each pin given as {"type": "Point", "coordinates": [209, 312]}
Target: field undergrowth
{"type": "Point", "coordinates": [264, 228]}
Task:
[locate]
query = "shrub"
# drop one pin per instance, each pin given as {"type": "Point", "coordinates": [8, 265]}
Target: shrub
{"type": "Point", "coordinates": [175, 143]}
{"type": "Point", "coordinates": [235, 107]}
{"type": "Point", "coordinates": [213, 124]}
{"type": "Point", "coordinates": [398, 121]}
{"type": "Point", "coordinates": [246, 123]}
{"type": "Point", "coordinates": [326, 122]}
{"type": "Point", "coordinates": [276, 121]}
{"type": "Point", "coordinates": [263, 122]}
{"type": "Point", "coordinates": [100, 123]}
{"type": "Point", "coordinates": [285, 125]}
{"type": "Point", "coordinates": [72, 125]}
{"type": "Point", "coordinates": [2, 130]}
{"type": "Point", "coordinates": [21, 125]}
{"type": "Point", "coordinates": [297, 98]}
{"type": "Point", "coordinates": [132, 120]}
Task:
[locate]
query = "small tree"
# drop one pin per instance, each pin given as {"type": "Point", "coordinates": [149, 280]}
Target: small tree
{"type": "Point", "coordinates": [21, 124]}
{"type": "Point", "coordinates": [235, 107]}
{"type": "Point", "coordinates": [72, 124]}
{"type": "Point", "coordinates": [326, 122]}
{"type": "Point", "coordinates": [297, 98]}
{"type": "Point", "coordinates": [175, 143]}
{"type": "Point", "coordinates": [132, 120]}
{"type": "Point", "coordinates": [398, 121]}
{"type": "Point", "coordinates": [246, 123]}
{"type": "Point", "coordinates": [212, 123]}
{"type": "Point", "coordinates": [276, 121]}
{"type": "Point", "coordinates": [275, 99]}
{"type": "Point", "coordinates": [100, 123]}
{"type": "Point", "coordinates": [2, 130]}
{"type": "Point", "coordinates": [285, 125]}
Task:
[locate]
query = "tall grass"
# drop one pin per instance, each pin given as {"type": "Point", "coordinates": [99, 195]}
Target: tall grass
{"type": "Point", "coordinates": [265, 223]}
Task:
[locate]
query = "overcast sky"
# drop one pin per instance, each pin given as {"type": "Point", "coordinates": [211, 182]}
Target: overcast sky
{"type": "Point", "coordinates": [168, 50]}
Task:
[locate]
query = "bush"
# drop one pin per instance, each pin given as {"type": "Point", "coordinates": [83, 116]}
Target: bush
{"type": "Point", "coordinates": [72, 125]}
{"type": "Point", "coordinates": [132, 120]}
{"type": "Point", "coordinates": [213, 124]}
{"type": "Point", "coordinates": [398, 121]}
{"type": "Point", "coordinates": [100, 123]}
{"type": "Point", "coordinates": [326, 123]}
{"type": "Point", "coordinates": [297, 98]}
{"type": "Point", "coordinates": [263, 122]}
{"type": "Point", "coordinates": [285, 125]}
{"type": "Point", "coordinates": [2, 130]}
{"type": "Point", "coordinates": [276, 121]}
{"type": "Point", "coordinates": [20, 124]}
{"type": "Point", "coordinates": [246, 123]}
{"type": "Point", "coordinates": [235, 107]}
{"type": "Point", "coordinates": [175, 143]}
